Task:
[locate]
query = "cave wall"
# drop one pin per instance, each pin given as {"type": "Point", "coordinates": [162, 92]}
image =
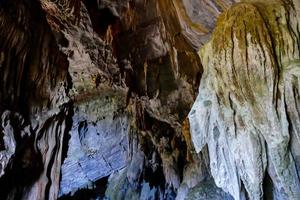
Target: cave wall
{"type": "Point", "coordinates": [95, 94]}
{"type": "Point", "coordinates": [35, 107]}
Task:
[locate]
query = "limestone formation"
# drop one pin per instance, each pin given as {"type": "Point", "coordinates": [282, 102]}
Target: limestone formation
{"type": "Point", "coordinates": [246, 108]}
{"type": "Point", "coordinates": [95, 95]}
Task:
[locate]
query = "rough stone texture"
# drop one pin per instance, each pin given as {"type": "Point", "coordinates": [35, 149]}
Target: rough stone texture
{"type": "Point", "coordinates": [34, 83]}
{"type": "Point", "coordinates": [198, 18]}
{"type": "Point", "coordinates": [95, 151]}
{"type": "Point", "coordinates": [207, 190]}
{"type": "Point", "coordinates": [246, 108]}
{"type": "Point", "coordinates": [12, 125]}
{"type": "Point", "coordinates": [98, 93]}
{"type": "Point", "coordinates": [94, 98]}
{"type": "Point", "coordinates": [130, 60]}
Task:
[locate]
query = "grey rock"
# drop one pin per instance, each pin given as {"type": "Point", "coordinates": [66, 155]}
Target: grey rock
{"type": "Point", "coordinates": [12, 126]}
{"type": "Point", "coordinates": [96, 149]}
{"type": "Point", "coordinates": [243, 110]}
{"type": "Point", "coordinates": [207, 190]}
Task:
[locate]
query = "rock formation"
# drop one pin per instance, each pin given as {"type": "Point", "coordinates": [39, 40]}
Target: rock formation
{"type": "Point", "coordinates": [246, 111]}
{"type": "Point", "coordinates": [95, 94]}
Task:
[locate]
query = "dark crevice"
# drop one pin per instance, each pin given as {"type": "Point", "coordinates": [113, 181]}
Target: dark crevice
{"type": "Point", "coordinates": [67, 136]}
{"type": "Point", "coordinates": [268, 188]}
{"type": "Point", "coordinates": [97, 192]}
{"type": "Point", "coordinates": [23, 171]}
{"type": "Point", "coordinates": [101, 18]}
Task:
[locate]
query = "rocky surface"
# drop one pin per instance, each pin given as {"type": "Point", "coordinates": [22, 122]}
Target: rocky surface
{"type": "Point", "coordinates": [246, 109]}
{"type": "Point", "coordinates": [34, 86]}
{"type": "Point", "coordinates": [95, 151]}
{"type": "Point", "coordinates": [95, 94]}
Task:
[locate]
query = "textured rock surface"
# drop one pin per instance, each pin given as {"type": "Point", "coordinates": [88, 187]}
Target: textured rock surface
{"type": "Point", "coordinates": [34, 83]}
{"type": "Point", "coordinates": [95, 151]}
{"type": "Point", "coordinates": [94, 98]}
{"type": "Point", "coordinates": [12, 125]}
{"type": "Point", "coordinates": [207, 190]}
{"type": "Point", "coordinates": [245, 112]}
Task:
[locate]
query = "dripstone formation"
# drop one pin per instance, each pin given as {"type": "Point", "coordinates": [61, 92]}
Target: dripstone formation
{"type": "Point", "coordinates": [149, 99]}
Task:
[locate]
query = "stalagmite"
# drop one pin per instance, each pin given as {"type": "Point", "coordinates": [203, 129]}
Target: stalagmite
{"type": "Point", "coordinates": [246, 108]}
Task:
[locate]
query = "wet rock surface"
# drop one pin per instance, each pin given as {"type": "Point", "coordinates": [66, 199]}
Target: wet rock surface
{"type": "Point", "coordinates": [95, 94]}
